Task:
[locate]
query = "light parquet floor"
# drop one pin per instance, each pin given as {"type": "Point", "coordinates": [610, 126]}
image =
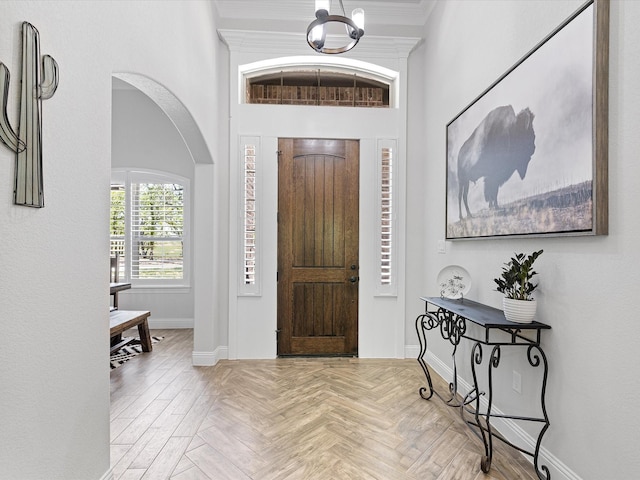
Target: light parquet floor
{"type": "Point", "coordinates": [287, 419]}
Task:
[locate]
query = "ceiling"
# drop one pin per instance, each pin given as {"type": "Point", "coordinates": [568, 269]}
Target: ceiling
{"type": "Point", "coordinates": [381, 12]}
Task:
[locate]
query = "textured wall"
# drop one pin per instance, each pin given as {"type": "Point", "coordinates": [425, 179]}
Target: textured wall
{"type": "Point", "coordinates": [54, 400]}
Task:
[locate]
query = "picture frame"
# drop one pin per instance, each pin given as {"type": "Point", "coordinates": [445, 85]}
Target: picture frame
{"type": "Point", "coordinates": [529, 156]}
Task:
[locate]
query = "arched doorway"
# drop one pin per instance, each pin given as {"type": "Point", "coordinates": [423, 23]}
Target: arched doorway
{"type": "Point", "coordinates": [189, 145]}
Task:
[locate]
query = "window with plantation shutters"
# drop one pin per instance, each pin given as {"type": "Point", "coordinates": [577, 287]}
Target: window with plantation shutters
{"type": "Point", "coordinates": [249, 283]}
{"type": "Point", "coordinates": [157, 212]}
{"type": "Point", "coordinates": [386, 284]}
{"type": "Point", "coordinates": [149, 226]}
{"type": "Point", "coordinates": [249, 211]}
{"type": "Point", "coordinates": [117, 224]}
{"type": "Point", "coordinates": [386, 214]}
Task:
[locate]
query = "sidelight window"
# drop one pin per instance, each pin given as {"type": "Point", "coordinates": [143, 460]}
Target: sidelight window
{"type": "Point", "coordinates": [249, 235]}
{"type": "Point", "coordinates": [385, 200]}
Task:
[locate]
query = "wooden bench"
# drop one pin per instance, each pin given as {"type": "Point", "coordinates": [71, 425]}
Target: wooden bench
{"type": "Point", "coordinates": [121, 320]}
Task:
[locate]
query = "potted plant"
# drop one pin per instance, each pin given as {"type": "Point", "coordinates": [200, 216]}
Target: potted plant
{"type": "Point", "coordinates": [515, 283]}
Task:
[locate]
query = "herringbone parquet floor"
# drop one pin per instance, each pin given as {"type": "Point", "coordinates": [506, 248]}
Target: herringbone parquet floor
{"type": "Point", "coordinates": [287, 419]}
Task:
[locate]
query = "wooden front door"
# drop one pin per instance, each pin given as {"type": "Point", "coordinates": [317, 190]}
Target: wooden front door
{"type": "Point", "coordinates": [318, 191]}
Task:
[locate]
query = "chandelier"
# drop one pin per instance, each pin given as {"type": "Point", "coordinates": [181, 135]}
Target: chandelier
{"type": "Point", "coordinates": [317, 30]}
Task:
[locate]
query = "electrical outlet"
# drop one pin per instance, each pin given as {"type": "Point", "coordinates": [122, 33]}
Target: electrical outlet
{"type": "Point", "coordinates": [517, 382]}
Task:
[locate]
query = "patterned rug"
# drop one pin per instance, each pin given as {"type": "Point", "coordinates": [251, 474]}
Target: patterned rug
{"type": "Point", "coordinates": [127, 352]}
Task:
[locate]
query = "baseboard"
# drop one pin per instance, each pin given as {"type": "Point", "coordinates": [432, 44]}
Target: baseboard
{"type": "Point", "coordinates": [508, 428]}
{"type": "Point", "coordinates": [108, 475]}
{"type": "Point", "coordinates": [411, 351]}
{"type": "Point", "coordinates": [158, 323]}
{"type": "Point", "coordinates": [209, 359]}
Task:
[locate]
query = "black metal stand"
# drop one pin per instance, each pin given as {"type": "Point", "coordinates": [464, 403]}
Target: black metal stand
{"type": "Point", "coordinates": [451, 318]}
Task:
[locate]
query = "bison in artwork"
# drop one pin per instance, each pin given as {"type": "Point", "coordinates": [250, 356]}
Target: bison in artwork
{"type": "Point", "coordinates": [500, 145]}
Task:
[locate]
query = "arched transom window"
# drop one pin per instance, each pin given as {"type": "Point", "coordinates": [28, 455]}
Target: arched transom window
{"type": "Point", "coordinates": [310, 81]}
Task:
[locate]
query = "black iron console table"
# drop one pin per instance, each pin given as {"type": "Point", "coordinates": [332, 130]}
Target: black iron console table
{"type": "Point", "coordinates": [451, 318]}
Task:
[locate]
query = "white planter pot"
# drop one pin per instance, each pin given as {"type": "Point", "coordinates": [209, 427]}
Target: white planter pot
{"type": "Point", "coordinates": [519, 311]}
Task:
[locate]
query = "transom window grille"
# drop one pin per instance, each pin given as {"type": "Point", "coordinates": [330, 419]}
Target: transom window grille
{"type": "Point", "coordinates": [149, 227]}
{"type": "Point", "coordinates": [249, 209]}
{"type": "Point", "coordinates": [385, 193]}
{"type": "Point", "coordinates": [317, 87]}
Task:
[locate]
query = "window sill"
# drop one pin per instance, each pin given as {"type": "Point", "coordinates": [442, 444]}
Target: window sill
{"type": "Point", "coordinates": [179, 289]}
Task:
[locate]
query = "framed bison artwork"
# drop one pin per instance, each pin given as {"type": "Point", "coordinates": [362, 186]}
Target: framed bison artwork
{"type": "Point", "coordinates": [528, 157]}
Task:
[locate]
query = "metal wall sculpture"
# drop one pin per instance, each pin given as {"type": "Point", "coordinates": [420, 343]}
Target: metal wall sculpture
{"type": "Point", "coordinates": [36, 85]}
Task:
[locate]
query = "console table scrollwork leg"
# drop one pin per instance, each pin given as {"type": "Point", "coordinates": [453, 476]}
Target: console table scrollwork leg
{"type": "Point", "coordinates": [494, 361]}
{"type": "Point", "coordinates": [453, 385]}
{"type": "Point", "coordinates": [476, 359]}
{"type": "Point", "coordinates": [486, 434]}
{"type": "Point", "coordinates": [424, 322]}
{"type": "Point", "coordinates": [483, 433]}
{"type": "Point", "coordinates": [452, 328]}
{"type": "Point", "coordinates": [536, 357]}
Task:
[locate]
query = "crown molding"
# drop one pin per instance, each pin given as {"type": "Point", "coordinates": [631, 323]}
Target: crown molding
{"type": "Point", "coordinates": [413, 12]}
{"type": "Point", "coordinates": [296, 44]}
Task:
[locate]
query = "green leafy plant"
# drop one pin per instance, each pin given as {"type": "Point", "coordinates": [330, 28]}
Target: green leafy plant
{"type": "Point", "coordinates": [515, 280]}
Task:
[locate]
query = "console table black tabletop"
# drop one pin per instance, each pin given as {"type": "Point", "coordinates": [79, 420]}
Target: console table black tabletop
{"type": "Point", "coordinates": [450, 318]}
{"type": "Point", "coordinates": [489, 318]}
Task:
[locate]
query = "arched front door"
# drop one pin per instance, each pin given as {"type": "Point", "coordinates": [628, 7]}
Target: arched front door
{"type": "Point", "coordinates": [318, 191]}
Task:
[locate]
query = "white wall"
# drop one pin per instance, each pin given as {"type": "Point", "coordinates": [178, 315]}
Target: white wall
{"type": "Point", "coordinates": [587, 284]}
{"type": "Point", "coordinates": [221, 191]}
{"type": "Point", "coordinates": [54, 372]}
{"type": "Point", "coordinates": [253, 320]}
{"type": "Point", "coordinates": [142, 135]}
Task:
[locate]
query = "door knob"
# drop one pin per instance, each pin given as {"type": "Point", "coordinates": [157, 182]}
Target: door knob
{"type": "Point", "coordinates": [354, 279]}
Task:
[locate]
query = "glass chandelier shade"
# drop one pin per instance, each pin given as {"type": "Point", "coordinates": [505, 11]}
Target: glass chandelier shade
{"type": "Point", "coordinates": [317, 30]}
